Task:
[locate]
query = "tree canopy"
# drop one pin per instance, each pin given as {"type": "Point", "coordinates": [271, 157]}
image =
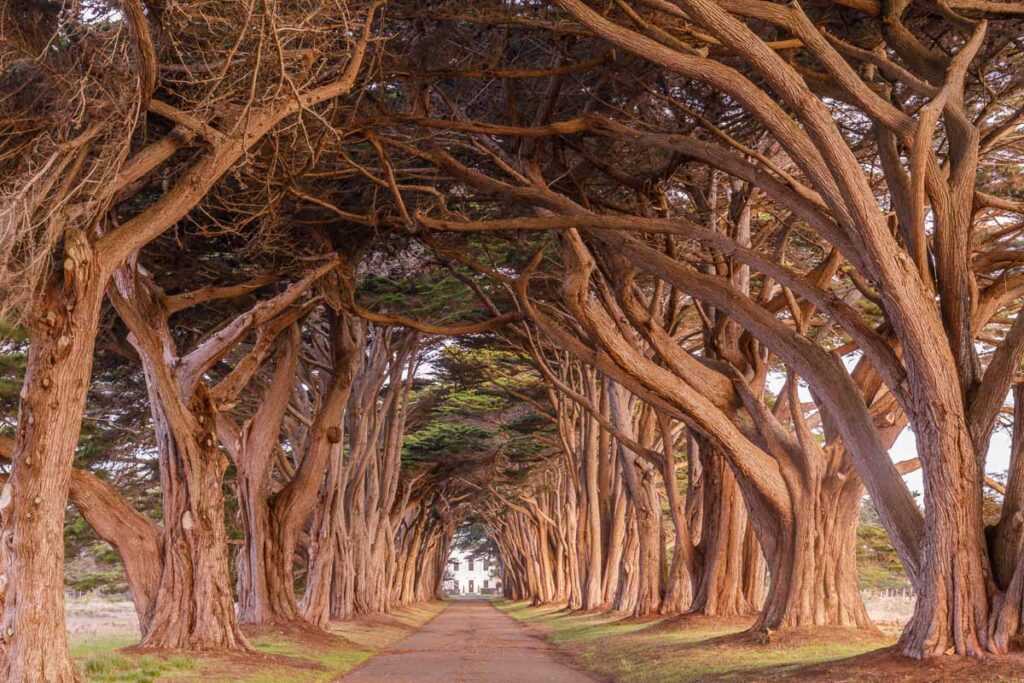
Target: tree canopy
{"type": "Point", "coordinates": [644, 292]}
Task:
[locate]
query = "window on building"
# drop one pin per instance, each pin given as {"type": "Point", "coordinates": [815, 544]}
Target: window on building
{"type": "Point", "coordinates": [470, 564]}
{"type": "Point", "coordinates": [487, 584]}
{"type": "Point", "coordinates": [487, 564]}
{"type": "Point", "coordinates": [455, 565]}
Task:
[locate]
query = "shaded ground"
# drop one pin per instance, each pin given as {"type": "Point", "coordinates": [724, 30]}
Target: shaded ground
{"type": "Point", "coordinates": [469, 642]}
{"type": "Point", "coordinates": [475, 643]}
{"type": "Point", "coordinates": [681, 649]}
{"type": "Point", "coordinates": [884, 666]}
{"type": "Point", "coordinates": [106, 651]}
{"type": "Point", "coordinates": [684, 649]}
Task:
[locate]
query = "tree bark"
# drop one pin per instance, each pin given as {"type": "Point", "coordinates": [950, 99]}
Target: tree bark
{"type": "Point", "coordinates": [723, 565]}
{"type": "Point", "coordinates": [59, 366]}
{"type": "Point", "coordinates": [814, 569]}
{"type": "Point", "coordinates": [194, 607]}
{"type": "Point", "coordinates": [679, 581]}
{"type": "Point", "coordinates": [265, 595]}
{"type": "Point", "coordinates": [954, 590]}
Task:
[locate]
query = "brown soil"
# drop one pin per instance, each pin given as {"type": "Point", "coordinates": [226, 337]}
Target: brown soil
{"type": "Point", "coordinates": [887, 666]}
{"type": "Point", "coordinates": [380, 620]}
{"type": "Point", "coordinates": [303, 632]}
{"type": "Point", "coordinates": [703, 623]}
{"type": "Point", "coordinates": [797, 637]}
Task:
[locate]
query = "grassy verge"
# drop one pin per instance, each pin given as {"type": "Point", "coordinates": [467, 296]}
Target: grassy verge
{"type": "Point", "coordinates": [694, 649]}
{"type": "Point", "coordinates": [282, 655]}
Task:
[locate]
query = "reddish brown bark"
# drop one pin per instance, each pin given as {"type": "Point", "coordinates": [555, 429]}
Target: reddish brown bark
{"type": "Point", "coordinates": [194, 607]}
{"type": "Point", "coordinates": [352, 546]}
{"type": "Point", "coordinates": [292, 506]}
{"type": "Point", "coordinates": [34, 497]}
{"type": "Point", "coordinates": [135, 537]}
{"type": "Point", "coordinates": [328, 568]}
{"type": "Point", "coordinates": [264, 594]}
{"type": "Point", "coordinates": [954, 590]}
{"type": "Point", "coordinates": [814, 580]}
{"type": "Point", "coordinates": [592, 596]}
{"type": "Point", "coordinates": [1007, 543]}
{"type": "Point", "coordinates": [726, 572]}
{"type": "Point", "coordinates": [639, 483]}
{"type": "Point", "coordinates": [60, 357]}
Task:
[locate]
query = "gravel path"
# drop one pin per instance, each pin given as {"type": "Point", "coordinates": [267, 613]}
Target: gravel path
{"type": "Point", "coordinates": [469, 642]}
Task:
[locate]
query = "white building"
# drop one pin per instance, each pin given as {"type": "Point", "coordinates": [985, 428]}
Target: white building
{"type": "Point", "coordinates": [472, 576]}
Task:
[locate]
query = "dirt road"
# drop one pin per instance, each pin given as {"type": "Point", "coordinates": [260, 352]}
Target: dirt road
{"type": "Point", "coordinates": [469, 642]}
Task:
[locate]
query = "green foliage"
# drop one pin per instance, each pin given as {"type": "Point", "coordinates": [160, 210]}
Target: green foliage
{"type": "Point", "coordinates": [475, 408]}
{"type": "Point", "coordinates": [472, 538]}
{"type": "Point", "coordinates": [469, 402]}
{"type": "Point", "coordinates": [431, 295]}
{"type": "Point", "coordinates": [13, 348]}
{"type": "Point", "coordinates": [440, 438]}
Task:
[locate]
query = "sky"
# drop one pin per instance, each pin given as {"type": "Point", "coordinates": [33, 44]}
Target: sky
{"type": "Point", "coordinates": [905, 448]}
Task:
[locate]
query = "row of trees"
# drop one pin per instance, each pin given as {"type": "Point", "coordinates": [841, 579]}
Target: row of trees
{"type": "Point", "coordinates": [757, 239]}
{"type": "Point", "coordinates": [121, 122]}
{"type": "Point", "coordinates": [781, 178]}
{"type": "Point", "coordinates": [295, 408]}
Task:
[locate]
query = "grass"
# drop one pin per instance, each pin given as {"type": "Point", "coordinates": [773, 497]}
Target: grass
{"type": "Point", "coordinates": [283, 656]}
{"type": "Point", "coordinates": [144, 669]}
{"type": "Point", "coordinates": [653, 651]}
{"type": "Point", "coordinates": [100, 659]}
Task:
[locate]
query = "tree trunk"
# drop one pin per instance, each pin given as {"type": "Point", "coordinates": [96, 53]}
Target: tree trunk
{"type": "Point", "coordinates": [343, 583]}
{"type": "Point", "coordinates": [574, 575]}
{"type": "Point", "coordinates": [722, 562]}
{"type": "Point", "coordinates": [325, 530]}
{"type": "Point", "coordinates": [1006, 543]}
{"type": "Point", "coordinates": [814, 570]}
{"type": "Point", "coordinates": [638, 480]}
{"type": "Point", "coordinates": [592, 595]}
{"type": "Point", "coordinates": [954, 590]}
{"type": "Point", "coordinates": [628, 584]}
{"type": "Point", "coordinates": [648, 525]}
{"type": "Point", "coordinates": [265, 595]}
{"type": "Point", "coordinates": [755, 570]}
{"type": "Point", "coordinates": [292, 506]}
{"type": "Point", "coordinates": [616, 547]}
{"type": "Point", "coordinates": [678, 580]}
{"type": "Point", "coordinates": [34, 498]}
{"type": "Point", "coordinates": [194, 607]}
